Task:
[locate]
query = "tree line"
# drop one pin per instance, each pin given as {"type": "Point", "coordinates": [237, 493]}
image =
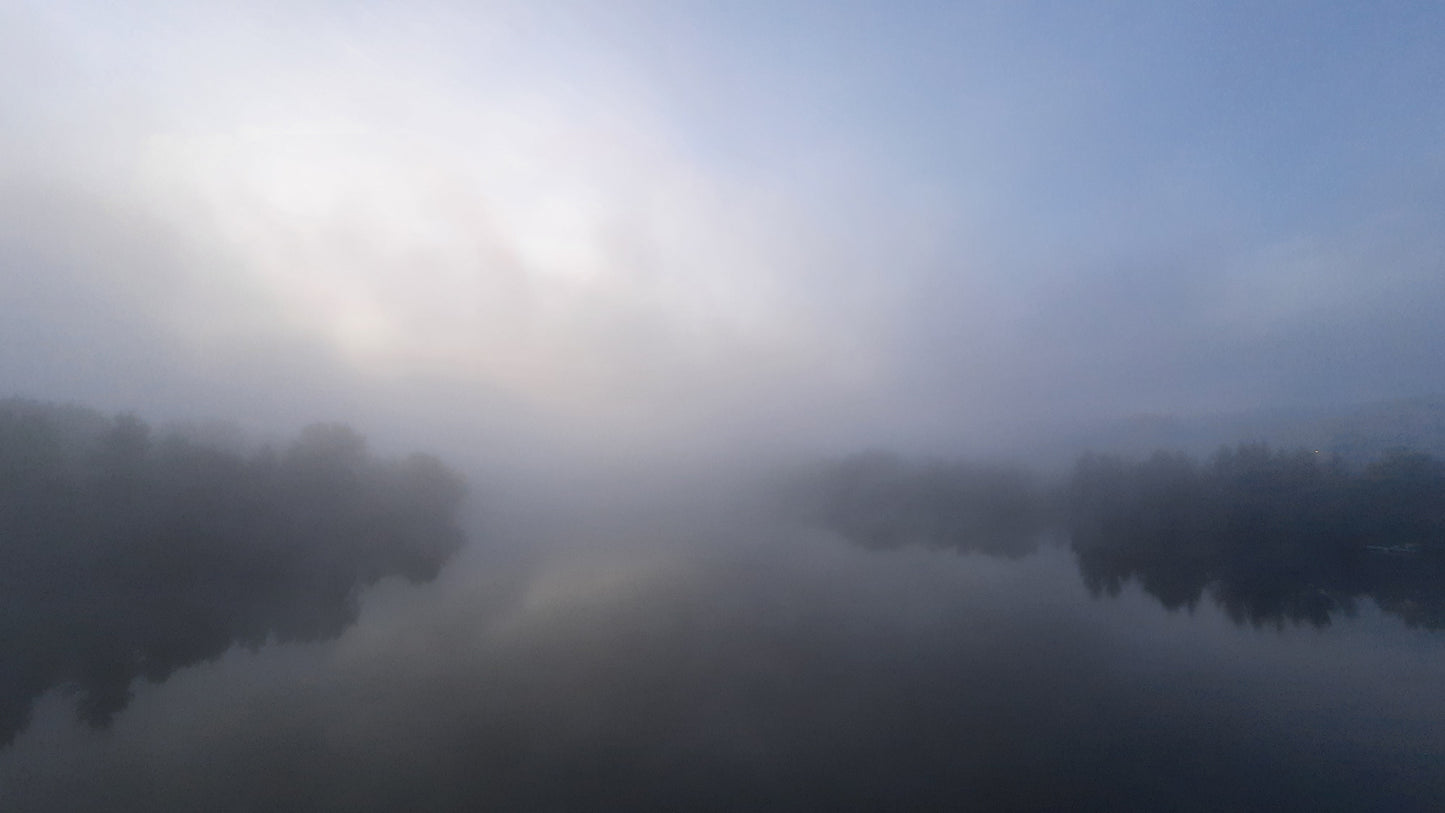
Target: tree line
{"type": "Point", "coordinates": [1273, 536]}
{"type": "Point", "coordinates": [127, 552]}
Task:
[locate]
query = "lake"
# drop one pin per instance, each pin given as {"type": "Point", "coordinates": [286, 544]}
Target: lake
{"type": "Point", "coordinates": [708, 660]}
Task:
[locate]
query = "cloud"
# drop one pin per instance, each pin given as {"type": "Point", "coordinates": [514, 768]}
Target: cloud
{"type": "Point", "coordinates": [398, 203]}
{"type": "Point", "coordinates": [575, 217]}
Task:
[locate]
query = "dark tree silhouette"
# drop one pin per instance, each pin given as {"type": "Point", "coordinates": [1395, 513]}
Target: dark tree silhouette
{"type": "Point", "coordinates": [1273, 536]}
{"type": "Point", "coordinates": [125, 554]}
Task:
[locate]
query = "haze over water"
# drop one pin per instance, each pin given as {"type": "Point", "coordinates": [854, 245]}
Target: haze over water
{"type": "Point", "coordinates": [750, 351]}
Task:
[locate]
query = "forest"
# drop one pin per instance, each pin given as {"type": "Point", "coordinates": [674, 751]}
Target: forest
{"type": "Point", "coordinates": [129, 552]}
{"type": "Point", "coordinates": [1271, 535]}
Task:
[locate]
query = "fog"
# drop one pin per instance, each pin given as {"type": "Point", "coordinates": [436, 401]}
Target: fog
{"type": "Point", "coordinates": [646, 228]}
{"type": "Point", "coordinates": [855, 633]}
{"type": "Point", "coordinates": [727, 406]}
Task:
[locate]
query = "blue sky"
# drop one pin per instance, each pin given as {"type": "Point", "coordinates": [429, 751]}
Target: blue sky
{"type": "Point", "coordinates": [660, 222]}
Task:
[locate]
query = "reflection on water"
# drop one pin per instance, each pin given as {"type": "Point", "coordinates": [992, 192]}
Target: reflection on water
{"type": "Point", "coordinates": [1272, 537]}
{"type": "Point", "coordinates": [721, 659]}
{"type": "Point", "coordinates": [126, 555]}
{"type": "Point", "coordinates": [797, 674]}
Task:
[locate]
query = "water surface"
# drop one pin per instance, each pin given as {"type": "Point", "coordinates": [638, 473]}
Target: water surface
{"type": "Point", "coordinates": [670, 660]}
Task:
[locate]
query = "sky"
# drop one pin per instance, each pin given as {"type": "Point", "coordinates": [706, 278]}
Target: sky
{"type": "Point", "coordinates": [684, 226]}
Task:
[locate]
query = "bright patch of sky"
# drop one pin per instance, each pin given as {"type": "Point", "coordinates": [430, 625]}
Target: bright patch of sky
{"type": "Point", "coordinates": [912, 224]}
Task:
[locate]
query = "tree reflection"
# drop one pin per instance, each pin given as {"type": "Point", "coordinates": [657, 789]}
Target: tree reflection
{"type": "Point", "coordinates": [1271, 536]}
{"type": "Point", "coordinates": [124, 554]}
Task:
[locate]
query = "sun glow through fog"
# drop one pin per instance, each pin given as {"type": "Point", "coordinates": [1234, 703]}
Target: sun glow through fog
{"type": "Point", "coordinates": [507, 242]}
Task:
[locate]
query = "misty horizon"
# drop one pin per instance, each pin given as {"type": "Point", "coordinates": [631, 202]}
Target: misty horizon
{"type": "Point", "coordinates": [773, 406]}
{"type": "Point", "coordinates": [630, 229]}
{"type": "Point", "coordinates": [611, 630]}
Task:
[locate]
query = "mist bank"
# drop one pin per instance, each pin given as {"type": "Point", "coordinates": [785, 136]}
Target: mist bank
{"type": "Point", "coordinates": [131, 553]}
{"type": "Point", "coordinates": [863, 632]}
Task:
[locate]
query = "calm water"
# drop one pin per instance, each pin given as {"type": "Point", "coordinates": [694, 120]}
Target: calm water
{"type": "Point", "coordinates": [630, 662]}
